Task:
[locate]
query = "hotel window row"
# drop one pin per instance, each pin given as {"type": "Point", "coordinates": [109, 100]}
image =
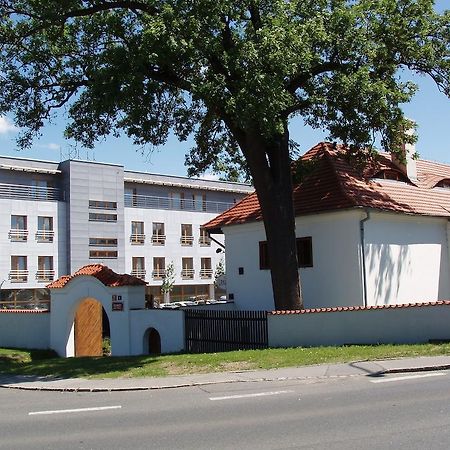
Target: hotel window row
{"type": "Point", "coordinates": [159, 237]}
{"type": "Point", "coordinates": [159, 268]}
{"type": "Point", "coordinates": [19, 269]}
{"type": "Point", "coordinates": [19, 229]}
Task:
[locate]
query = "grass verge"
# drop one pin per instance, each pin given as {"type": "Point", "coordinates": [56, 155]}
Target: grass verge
{"type": "Point", "coordinates": [45, 363]}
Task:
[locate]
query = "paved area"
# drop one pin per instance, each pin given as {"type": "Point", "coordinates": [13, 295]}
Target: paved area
{"type": "Point", "coordinates": [358, 368]}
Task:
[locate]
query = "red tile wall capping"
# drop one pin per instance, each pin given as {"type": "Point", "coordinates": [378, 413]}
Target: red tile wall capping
{"type": "Point", "coordinates": [337, 184]}
{"type": "Point", "coordinates": [103, 273]}
{"type": "Point", "coordinates": [359, 308]}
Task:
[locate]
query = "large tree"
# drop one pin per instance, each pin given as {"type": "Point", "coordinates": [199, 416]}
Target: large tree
{"type": "Point", "coordinates": [231, 72]}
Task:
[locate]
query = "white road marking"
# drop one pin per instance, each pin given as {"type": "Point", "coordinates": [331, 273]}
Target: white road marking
{"type": "Point", "coordinates": [409, 377]}
{"type": "Point", "coordinates": [259, 394]}
{"type": "Point", "coordinates": [68, 411]}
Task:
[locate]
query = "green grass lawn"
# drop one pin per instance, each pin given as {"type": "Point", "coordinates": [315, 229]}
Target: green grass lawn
{"type": "Point", "coordinates": [43, 363]}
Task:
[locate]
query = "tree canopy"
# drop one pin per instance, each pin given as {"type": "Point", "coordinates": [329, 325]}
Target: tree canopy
{"type": "Point", "coordinates": [232, 73]}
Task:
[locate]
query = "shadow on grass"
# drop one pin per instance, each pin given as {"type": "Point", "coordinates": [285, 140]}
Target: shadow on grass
{"type": "Point", "coordinates": [48, 366]}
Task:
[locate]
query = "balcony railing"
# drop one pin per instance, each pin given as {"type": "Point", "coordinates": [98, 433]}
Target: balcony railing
{"type": "Point", "coordinates": [45, 275]}
{"type": "Point", "coordinates": [187, 274]}
{"type": "Point", "coordinates": [18, 276]}
{"type": "Point", "coordinates": [139, 273]}
{"type": "Point", "coordinates": [151, 202]}
{"type": "Point", "coordinates": [18, 235]}
{"type": "Point", "coordinates": [159, 274]}
{"type": "Point", "coordinates": [158, 239]}
{"type": "Point", "coordinates": [45, 235]}
{"type": "Point", "coordinates": [206, 273]}
{"type": "Point", "coordinates": [38, 305]}
{"type": "Point", "coordinates": [137, 238]}
{"type": "Point", "coordinates": [187, 240]}
{"type": "Point", "coordinates": [23, 192]}
{"type": "Point", "coordinates": [204, 241]}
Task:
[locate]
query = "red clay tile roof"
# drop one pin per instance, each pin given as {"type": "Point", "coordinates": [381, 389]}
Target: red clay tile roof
{"type": "Point", "coordinates": [358, 308]}
{"type": "Point", "coordinates": [336, 184]}
{"type": "Point", "coordinates": [103, 273]}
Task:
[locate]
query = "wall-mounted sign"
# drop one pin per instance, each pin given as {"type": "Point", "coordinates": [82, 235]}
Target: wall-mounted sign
{"type": "Point", "coordinates": [116, 298]}
{"type": "Point", "coordinates": [117, 306]}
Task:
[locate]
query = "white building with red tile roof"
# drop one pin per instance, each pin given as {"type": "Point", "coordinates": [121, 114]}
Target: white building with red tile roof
{"type": "Point", "coordinates": [368, 234]}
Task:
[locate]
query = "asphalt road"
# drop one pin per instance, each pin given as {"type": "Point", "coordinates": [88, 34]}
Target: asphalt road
{"type": "Point", "coordinates": [395, 412]}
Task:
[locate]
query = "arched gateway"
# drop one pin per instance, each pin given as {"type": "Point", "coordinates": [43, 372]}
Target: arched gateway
{"type": "Point", "coordinates": [90, 305]}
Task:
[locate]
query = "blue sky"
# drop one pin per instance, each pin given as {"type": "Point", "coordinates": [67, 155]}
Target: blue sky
{"type": "Point", "coordinates": [430, 109]}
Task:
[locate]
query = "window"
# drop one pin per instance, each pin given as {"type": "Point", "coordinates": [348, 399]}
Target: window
{"type": "Point", "coordinates": [137, 233]}
{"type": "Point", "coordinates": [102, 217]}
{"type": "Point", "coordinates": [138, 267]}
{"type": "Point", "coordinates": [45, 229]}
{"type": "Point", "coordinates": [103, 254]}
{"type": "Point", "coordinates": [18, 231]}
{"type": "Point", "coordinates": [206, 269]}
{"type": "Point", "coordinates": [204, 239]}
{"type": "Point", "coordinates": [102, 242]}
{"type": "Point", "coordinates": [45, 270]}
{"type": "Point", "coordinates": [100, 204]}
{"type": "Point", "coordinates": [159, 268]}
{"type": "Point", "coordinates": [158, 236]}
{"type": "Point", "coordinates": [187, 270]}
{"type": "Point", "coordinates": [186, 234]}
{"type": "Point", "coordinates": [304, 253]}
{"type": "Point", "coordinates": [19, 269]}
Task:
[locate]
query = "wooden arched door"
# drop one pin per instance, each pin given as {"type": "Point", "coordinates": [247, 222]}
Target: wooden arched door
{"type": "Point", "coordinates": [88, 328]}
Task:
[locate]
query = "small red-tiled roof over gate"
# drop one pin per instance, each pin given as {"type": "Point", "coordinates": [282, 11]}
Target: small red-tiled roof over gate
{"type": "Point", "coordinates": [337, 182]}
{"type": "Point", "coordinates": [103, 273]}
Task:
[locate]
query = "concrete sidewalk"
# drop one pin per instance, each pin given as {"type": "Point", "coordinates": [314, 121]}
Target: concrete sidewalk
{"type": "Point", "coordinates": [354, 369]}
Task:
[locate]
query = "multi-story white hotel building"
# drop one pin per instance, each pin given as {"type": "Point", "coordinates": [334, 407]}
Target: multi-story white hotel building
{"type": "Point", "coordinates": [57, 217]}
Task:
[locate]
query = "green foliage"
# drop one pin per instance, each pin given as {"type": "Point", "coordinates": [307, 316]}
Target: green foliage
{"type": "Point", "coordinates": [217, 69]}
{"type": "Point", "coordinates": [169, 279]}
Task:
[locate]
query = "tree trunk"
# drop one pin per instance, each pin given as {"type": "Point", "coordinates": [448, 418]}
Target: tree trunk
{"type": "Point", "coordinates": [270, 166]}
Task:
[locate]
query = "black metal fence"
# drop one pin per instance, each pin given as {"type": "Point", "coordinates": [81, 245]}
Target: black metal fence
{"type": "Point", "coordinates": [221, 331]}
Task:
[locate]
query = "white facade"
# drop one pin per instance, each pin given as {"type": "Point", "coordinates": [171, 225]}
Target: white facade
{"type": "Point", "coordinates": [89, 208]}
{"type": "Point", "coordinates": [405, 259]}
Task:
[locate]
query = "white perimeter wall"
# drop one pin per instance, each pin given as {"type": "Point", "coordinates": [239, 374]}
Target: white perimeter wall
{"type": "Point", "coordinates": [25, 330]}
{"type": "Point", "coordinates": [334, 279]}
{"type": "Point", "coordinates": [406, 259]}
{"type": "Point", "coordinates": [369, 326]}
{"type": "Point", "coordinates": [169, 325]}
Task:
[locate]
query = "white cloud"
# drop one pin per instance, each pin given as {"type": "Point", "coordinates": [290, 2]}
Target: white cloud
{"type": "Point", "coordinates": [209, 176]}
{"type": "Point", "coordinates": [6, 126]}
{"type": "Point", "coordinates": [49, 146]}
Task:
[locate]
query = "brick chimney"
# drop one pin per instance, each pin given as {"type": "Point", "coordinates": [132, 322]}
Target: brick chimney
{"type": "Point", "coordinates": [408, 164]}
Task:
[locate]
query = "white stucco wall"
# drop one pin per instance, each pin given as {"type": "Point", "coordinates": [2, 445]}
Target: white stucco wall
{"type": "Point", "coordinates": [169, 324]}
{"type": "Point", "coordinates": [407, 259]}
{"type": "Point", "coordinates": [64, 305]}
{"type": "Point", "coordinates": [25, 330]}
{"type": "Point", "coordinates": [334, 279]}
{"type": "Point", "coordinates": [370, 326]}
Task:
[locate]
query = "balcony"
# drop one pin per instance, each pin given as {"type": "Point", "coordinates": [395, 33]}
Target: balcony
{"type": "Point", "coordinates": [18, 235]}
{"type": "Point", "coordinates": [45, 275]}
{"type": "Point", "coordinates": [45, 235]}
{"type": "Point", "coordinates": [137, 239]}
{"type": "Point", "coordinates": [18, 276]}
{"type": "Point", "coordinates": [204, 241]}
{"type": "Point", "coordinates": [187, 274]}
{"type": "Point", "coordinates": [23, 192]}
{"type": "Point", "coordinates": [187, 240]}
{"type": "Point", "coordinates": [206, 273]}
{"type": "Point", "coordinates": [151, 202]}
{"type": "Point", "coordinates": [139, 273]}
{"type": "Point", "coordinates": [159, 274]}
{"type": "Point", "coordinates": [158, 239]}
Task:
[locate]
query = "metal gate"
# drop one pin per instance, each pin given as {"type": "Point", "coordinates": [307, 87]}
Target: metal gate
{"type": "Point", "coordinates": [221, 331]}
